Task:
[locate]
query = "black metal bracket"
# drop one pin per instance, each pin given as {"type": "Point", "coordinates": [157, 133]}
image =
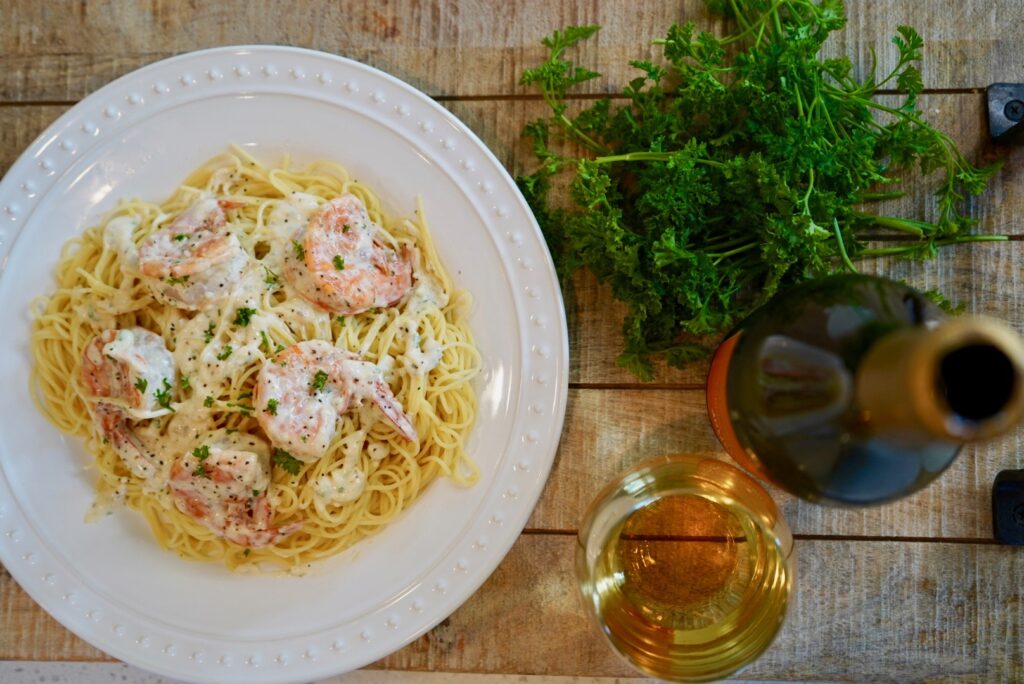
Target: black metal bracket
{"type": "Point", "coordinates": [1008, 507]}
{"type": "Point", "coordinates": [1006, 113]}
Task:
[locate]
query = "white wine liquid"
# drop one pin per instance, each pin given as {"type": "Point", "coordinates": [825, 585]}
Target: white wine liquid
{"type": "Point", "coordinates": [687, 589]}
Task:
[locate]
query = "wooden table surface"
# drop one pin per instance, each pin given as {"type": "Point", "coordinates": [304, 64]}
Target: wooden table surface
{"type": "Point", "coordinates": [915, 590]}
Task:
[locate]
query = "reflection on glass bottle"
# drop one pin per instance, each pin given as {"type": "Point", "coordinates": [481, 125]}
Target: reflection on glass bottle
{"type": "Point", "coordinates": [857, 390]}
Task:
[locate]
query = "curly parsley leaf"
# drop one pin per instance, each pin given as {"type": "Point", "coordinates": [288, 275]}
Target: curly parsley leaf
{"type": "Point", "coordinates": [243, 315]}
{"type": "Point", "coordinates": [736, 166]}
{"type": "Point", "coordinates": [163, 396]}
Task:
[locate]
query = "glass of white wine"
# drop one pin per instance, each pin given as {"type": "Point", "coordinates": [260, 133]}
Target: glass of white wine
{"type": "Point", "coordinates": [686, 565]}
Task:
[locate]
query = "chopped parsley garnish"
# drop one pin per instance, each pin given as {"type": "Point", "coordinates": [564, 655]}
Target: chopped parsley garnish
{"type": "Point", "coordinates": [271, 407]}
{"type": "Point", "coordinates": [245, 395]}
{"type": "Point", "coordinates": [341, 320]}
{"type": "Point", "coordinates": [184, 382]}
{"type": "Point", "coordinates": [270, 278]}
{"type": "Point", "coordinates": [319, 380]}
{"type": "Point", "coordinates": [141, 385]}
{"type": "Point", "coordinates": [202, 453]}
{"type": "Point", "coordinates": [243, 316]}
{"type": "Point", "coordinates": [208, 401]}
{"type": "Point", "coordinates": [289, 463]}
{"type": "Point", "coordinates": [181, 236]}
{"type": "Point", "coordinates": [255, 492]}
{"type": "Point", "coordinates": [266, 340]}
{"type": "Point", "coordinates": [201, 471]}
{"type": "Point", "coordinates": [208, 335]}
{"type": "Point", "coordinates": [225, 352]}
{"type": "Point", "coordinates": [172, 280]}
{"type": "Point", "coordinates": [344, 228]}
{"type": "Point", "coordinates": [163, 396]}
{"type": "Point", "coordinates": [278, 349]}
{"type": "Point", "coordinates": [300, 251]}
{"type": "Point", "coordinates": [247, 552]}
{"type": "Point", "coordinates": [338, 262]}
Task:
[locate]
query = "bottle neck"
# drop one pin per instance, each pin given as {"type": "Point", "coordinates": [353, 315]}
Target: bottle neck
{"type": "Point", "coordinates": [960, 381]}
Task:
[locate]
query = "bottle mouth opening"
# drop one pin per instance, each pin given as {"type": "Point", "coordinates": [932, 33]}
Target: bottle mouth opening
{"type": "Point", "coordinates": [978, 381]}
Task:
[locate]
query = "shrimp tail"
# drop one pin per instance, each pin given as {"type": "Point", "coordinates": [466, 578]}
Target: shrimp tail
{"type": "Point", "coordinates": [383, 397]}
{"type": "Point", "coordinates": [253, 531]}
{"type": "Point", "coordinates": [113, 426]}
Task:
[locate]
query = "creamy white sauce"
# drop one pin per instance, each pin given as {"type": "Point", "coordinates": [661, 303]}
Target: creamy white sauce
{"type": "Point", "coordinates": [377, 450]}
{"type": "Point", "coordinates": [422, 352]}
{"type": "Point", "coordinates": [421, 360]}
{"type": "Point", "coordinates": [340, 486]}
{"type": "Point", "coordinates": [348, 481]}
{"type": "Point", "coordinates": [117, 237]}
{"type": "Point", "coordinates": [289, 215]}
{"type": "Point", "coordinates": [427, 294]}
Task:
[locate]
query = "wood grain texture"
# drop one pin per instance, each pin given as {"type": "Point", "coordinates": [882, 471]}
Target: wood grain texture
{"type": "Point", "coordinates": [608, 431]}
{"type": "Point", "coordinates": [863, 611]}
{"type": "Point", "coordinates": [63, 50]}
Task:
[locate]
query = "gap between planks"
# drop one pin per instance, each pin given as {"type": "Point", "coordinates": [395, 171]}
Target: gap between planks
{"type": "Point", "coordinates": [974, 541]}
{"type": "Point", "coordinates": [514, 97]}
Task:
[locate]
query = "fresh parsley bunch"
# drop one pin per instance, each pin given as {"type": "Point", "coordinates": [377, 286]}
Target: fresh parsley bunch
{"type": "Point", "coordinates": [739, 166]}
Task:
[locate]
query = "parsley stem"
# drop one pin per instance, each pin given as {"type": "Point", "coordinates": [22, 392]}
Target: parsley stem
{"type": "Point", "coordinates": [650, 156]}
{"type": "Point", "coordinates": [748, 27]}
{"type": "Point", "coordinates": [877, 196]}
{"type": "Point", "coordinates": [583, 137]}
{"type": "Point", "coordinates": [915, 228]}
{"type": "Point", "coordinates": [733, 252]}
{"type": "Point", "coordinates": [842, 247]}
{"type": "Point", "coordinates": [895, 251]}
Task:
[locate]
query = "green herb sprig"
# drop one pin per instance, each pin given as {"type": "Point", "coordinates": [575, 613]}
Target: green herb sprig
{"type": "Point", "coordinates": [735, 167]}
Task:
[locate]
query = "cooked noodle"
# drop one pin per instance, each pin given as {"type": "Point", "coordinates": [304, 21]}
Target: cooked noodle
{"type": "Point", "coordinates": [99, 288]}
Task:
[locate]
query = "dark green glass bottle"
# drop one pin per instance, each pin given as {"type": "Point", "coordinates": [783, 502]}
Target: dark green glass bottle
{"type": "Point", "coordinates": [857, 390]}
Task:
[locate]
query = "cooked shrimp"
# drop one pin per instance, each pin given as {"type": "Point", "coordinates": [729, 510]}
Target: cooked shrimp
{"type": "Point", "coordinates": [302, 392]}
{"type": "Point", "coordinates": [337, 262]}
{"type": "Point", "coordinates": [194, 261]}
{"type": "Point", "coordinates": [223, 484]}
{"type": "Point", "coordinates": [128, 374]}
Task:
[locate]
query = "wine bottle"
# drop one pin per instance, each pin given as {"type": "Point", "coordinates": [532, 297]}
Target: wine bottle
{"type": "Point", "coordinates": [856, 390]}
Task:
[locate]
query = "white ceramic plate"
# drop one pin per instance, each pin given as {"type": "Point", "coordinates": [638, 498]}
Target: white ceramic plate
{"type": "Point", "coordinates": [109, 582]}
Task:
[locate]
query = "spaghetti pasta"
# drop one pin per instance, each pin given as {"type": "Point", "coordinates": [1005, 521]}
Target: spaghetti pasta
{"type": "Point", "coordinates": [421, 346]}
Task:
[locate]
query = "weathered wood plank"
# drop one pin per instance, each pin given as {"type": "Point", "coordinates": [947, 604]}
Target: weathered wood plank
{"type": "Point", "coordinates": [864, 611]}
{"type": "Point", "coordinates": [607, 431]}
{"type": "Point", "coordinates": [64, 50]}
